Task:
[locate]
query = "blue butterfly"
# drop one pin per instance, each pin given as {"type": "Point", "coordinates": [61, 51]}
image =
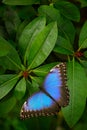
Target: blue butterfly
{"type": "Point", "coordinates": [53, 95]}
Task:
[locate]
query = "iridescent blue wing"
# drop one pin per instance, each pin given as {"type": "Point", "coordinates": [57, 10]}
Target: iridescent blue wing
{"type": "Point", "coordinates": [52, 95]}
{"type": "Point", "coordinates": [55, 84]}
{"type": "Point", "coordinates": [39, 104]}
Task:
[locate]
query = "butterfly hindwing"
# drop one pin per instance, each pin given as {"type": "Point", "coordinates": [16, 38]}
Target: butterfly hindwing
{"type": "Point", "coordinates": [52, 95]}
{"type": "Point", "coordinates": [39, 104]}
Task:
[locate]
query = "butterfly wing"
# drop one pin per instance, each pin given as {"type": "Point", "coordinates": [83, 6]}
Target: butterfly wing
{"type": "Point", "coordinates": [39, 104]}
{"type": "Point", "coordinates": [51, 97]}
{"type": "Point", "coordinates": [55, 84]}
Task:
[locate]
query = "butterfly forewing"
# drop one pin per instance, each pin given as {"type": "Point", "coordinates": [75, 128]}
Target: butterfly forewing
{"type": "Point", "coordinates": [55, 84]}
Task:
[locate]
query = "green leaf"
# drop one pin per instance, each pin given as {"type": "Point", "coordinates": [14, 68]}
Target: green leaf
{"type": "Point", "coordinates": [27, 13]}
{"type": "Point", "coordinates": [16, 124]}
{"type": "Point", "coordinates": [4, 48]}
{"type": "Point", "coordinates": [20, 89]}
{"type": "Point", "coordinates": [20, 2]}
{"type": "Point", "coordinates": [77, 82]}
{"type": "Point", "coordinates": [50, 12]}
{"type": "Point", "coordinates": [29, 34]}
{"type": "Point", "coordinates": [83, 3]}
{"type": "Point", "coordinates": [65, 27]}
{"type": "Point", "coordinates": [69, 10]}
{"type": "Point", "coordinates": [36, 82]}
{"type": "Point", "coordinates": [21, 28]}
{"type": "Point", "coordinates": [84, 64]}
{"type": "Point", "coordinates": [7, 105]}
{"type": "Point", "coordinates": [11, 60]}
{"type": "Point", "coordinates": [7, 85]}
{"type": "Point", "coordinates": [48, 120]}
{"type": "Point", "coordinates": [30, 87]}
{"type": "Point", "coordinates": [6, 77]}
{"type": "Point", "coordinates": [11, 21]}
{"type": "Point", "coordinates": [2, 70]}
{"type": "Point", "coordinates": [81, 126]}
{"type": "Point", "coordinates": [43, 45]}
{"type": "Point", "coordinates": [63, 46]}
{"type": "Point", "coordinates": [67, 30]}
{"type": "Point", "coordinates": [3, 32]}
{"type": "Point", "coordinates": [83, 37]}
{"type": "Point", "coordinates": [43, 70]}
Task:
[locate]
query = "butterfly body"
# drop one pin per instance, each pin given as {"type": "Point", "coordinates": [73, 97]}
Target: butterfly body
{"type": "Point", "coordinates": [52, 95]}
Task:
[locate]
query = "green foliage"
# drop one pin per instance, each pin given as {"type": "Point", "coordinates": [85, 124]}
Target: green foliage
{"type": "Point", "coordinates": [53, 14]}
{"type": "Point", "coordinates": [4, 48]}
{"type": "Point", "coordinates": [68, 9]}
{"type": "Point", "coordinates": [20, 89]}
{"type": "Point", "coordinates": [43, 70]}
{"type": "Point", "coordinates": [46, 10]}
{"type": "Point", "coordinates": [20, 2]}
{"type": "Point", "coordinates": [42, 46]}
{"type": "Point", "coordinates": [12, 59]}
{"type": "Point", "coordinates": [83, 3]}
{"type": "Point", "coordinates": [33, 39]}
{"type": "Point", "coordinates": [4, 105]}
{"type": "Point", "coordinates": [78, 93]}
{"type": "Point", "coordinates": [83, 37]}
{"type": "Point", "coordinates": [7, 84]}
{"type": "Point", "coordinates": [12, 21]}
{"type": "Point", "coordinates": [28, 35]}
{"type": "Point", "coordinates": [63, 46]}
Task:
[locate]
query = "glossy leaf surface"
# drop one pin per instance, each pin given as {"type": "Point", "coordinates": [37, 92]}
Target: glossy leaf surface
{"type": "Point", "coordinates": [29, 35]}
{"type": "Point", "coordinates": [83, 37]}
{"type": "Point", "coordinates": [7, 85]}
{"type": "Point", "coordinates": [20, 89]}
{"type": "Point", "coordinates": [42, 45]}
{"type": "Point", "coordinates": [78, 93]}
{"type": "Point", "coordinates": [68, 9]}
